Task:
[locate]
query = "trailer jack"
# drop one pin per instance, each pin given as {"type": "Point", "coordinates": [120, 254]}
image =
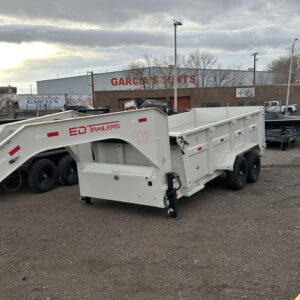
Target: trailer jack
{"type": "Point", "coordinates": [171, 195]}
{"type": "Point", "coordinates": [87, 200]}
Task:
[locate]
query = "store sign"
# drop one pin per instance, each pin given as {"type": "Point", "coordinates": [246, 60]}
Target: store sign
{"type": "Point", "coordinates": [245, 92]}
{"type": "Point", "coordinates": [184, 79]}
{"type": "Point", "coordinates": [34, 102]}
{"type": "Point", "coordinates": [79, 100]}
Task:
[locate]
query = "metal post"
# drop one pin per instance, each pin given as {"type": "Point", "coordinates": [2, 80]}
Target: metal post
{"type": "Point", "coordinates": [176, 23]}
{"type": "Point", "coordinates": [254, 67]}
{"type": "Point", "coordinates": [290, 75]}
{"type": "Point", "coordinates": [93, 88]}
{"type": "Point", "coordinates": [91, 83]}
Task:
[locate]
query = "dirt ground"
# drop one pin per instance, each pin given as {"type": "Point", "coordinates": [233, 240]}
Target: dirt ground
{"type": "Point", "coordinates": [227, 244]}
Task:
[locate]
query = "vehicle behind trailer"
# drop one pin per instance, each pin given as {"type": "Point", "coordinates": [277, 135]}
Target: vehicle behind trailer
{"type": "Point", "coordinates": [147, 103]}
{"type": "Point", "coordinates": [277, 107]}
{"type": "Point", "coordinates": [43, 170]}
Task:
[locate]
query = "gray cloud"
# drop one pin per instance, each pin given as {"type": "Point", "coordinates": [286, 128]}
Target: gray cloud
{"type": "Point", "coordinates": [226, 40]}
{"type": "Point", "coordinates": [92, 38]}
{"type": "Point", "coordinates": [115, 11]}
{"type": "Point", "coordinates": [231, 28]}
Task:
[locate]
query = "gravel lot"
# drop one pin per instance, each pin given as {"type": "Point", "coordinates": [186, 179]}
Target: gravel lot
{"type": "Point", "coordinates": [227, 245]}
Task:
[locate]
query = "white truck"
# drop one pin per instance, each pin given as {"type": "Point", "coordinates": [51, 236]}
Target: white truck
{"type": "Point", "coordinates": [144, 156]}
{"type": "Point", "coordinates": [276, 107]}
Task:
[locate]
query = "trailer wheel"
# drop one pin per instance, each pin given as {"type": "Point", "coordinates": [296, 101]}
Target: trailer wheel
{"type": "Point", "coordinates": [253, 161]}
{"type": "Point", "coordinates": [42, 175]}
{"type": "Point", "coordinates": [238, 177]}
{"type": "Point", "coordinates": [67, 171]}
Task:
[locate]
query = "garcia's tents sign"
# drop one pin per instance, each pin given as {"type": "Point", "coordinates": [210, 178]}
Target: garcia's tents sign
{"type": "Point", "coordinates": [34, 102]}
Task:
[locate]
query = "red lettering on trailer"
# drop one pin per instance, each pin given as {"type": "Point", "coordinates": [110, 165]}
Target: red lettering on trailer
{"type": "Point", "coordinates": [14, 151]}
{"type": "Point", "coordinates": [94, 128]}
{"type": "Point", "coordinates": [52, 134]}
{"type": "Point", "coordinates": [77, 130]}
{"type": "Point", "coordinates": [104, 126]}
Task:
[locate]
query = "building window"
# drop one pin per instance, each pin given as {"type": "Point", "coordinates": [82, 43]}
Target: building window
{"type": "Point", "coordinates": [212, 104]}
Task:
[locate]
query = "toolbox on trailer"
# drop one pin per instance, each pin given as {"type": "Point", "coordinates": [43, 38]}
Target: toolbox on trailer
{"type": "Point", "coordinates": [144, 156]}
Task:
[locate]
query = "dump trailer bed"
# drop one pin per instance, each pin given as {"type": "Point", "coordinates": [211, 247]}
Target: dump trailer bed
{"type": "Point", "coordinates": [143, 156]}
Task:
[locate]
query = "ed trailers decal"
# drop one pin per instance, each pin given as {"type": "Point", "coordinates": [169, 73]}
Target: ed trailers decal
{"type": "Point", "coordinates": [94, 128]}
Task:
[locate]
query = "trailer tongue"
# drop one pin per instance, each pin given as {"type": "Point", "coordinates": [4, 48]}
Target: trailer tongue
{"type": "Point", "coordinates": [144, 156]}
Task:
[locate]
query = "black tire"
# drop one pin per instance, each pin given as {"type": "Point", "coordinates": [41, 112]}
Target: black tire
{"type": "Point", "coordinates": [42, 176]}
{"type": "Point", "coordinates": [253, 161]}
{"type": "Point", "coordinates": [67, 171]}
{"type": "Point", "coordinates": [238, 177]}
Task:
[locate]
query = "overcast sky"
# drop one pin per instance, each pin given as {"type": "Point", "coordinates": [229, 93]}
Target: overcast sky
{"type": "Point", "coordinates": [49, 39]}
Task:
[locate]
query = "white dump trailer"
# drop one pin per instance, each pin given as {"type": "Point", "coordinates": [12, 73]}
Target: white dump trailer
{"type": "Point", "coordinates": [144, 156]}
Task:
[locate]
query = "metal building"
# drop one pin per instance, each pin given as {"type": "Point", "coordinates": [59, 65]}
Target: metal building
{"type": "Point", "coordinates": [151, 78]}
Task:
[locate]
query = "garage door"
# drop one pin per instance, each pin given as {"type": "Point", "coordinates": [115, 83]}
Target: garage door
{"type": "Point", "coordinates": [183, 103]}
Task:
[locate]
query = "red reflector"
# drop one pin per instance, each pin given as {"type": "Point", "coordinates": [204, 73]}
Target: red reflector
{"type": "Point", "coordinates": [142, 120]}
{"type": "Point", "coordinates": [200, 148]}
{"type": "Point", "coordinates": [222, 140]}
{"type": "Point", "coordinates": [253, 127]}
{"type": "Point", "coordinates": [15, 150]}
{"type": "Point", "coordinates": [240, 133]}
{"type": "Point", "coordinates": [51, 134]}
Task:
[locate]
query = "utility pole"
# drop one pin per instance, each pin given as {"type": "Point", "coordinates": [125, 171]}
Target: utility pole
{"type": "Point", "coordinates": [176, 23]}
{"type": "Point", "coordinates": [91, 73]}
{"type": "Point", "coordinates": [254, 67]}
{"type": "Point", "coordinates": [290, 75]}
{"type": "Point", "coordinates": [93, 88]}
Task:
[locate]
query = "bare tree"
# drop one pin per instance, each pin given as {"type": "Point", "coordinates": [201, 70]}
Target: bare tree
{"type": "Point", "coordinates": [281, 66]}
{"type": "Point", "coordinates": [165, 69]}
{"type": "Point", "coordinates": [237, 76]}
{"type": "Point", "coordinates": [199, 64]}
{"type": "Point", "coordinates": [220, 77]}
{"type": "Point", "coordinates": [263, 79]}
{"type": "Point", "coordinates": [137, 69]}
{"type": "Point", "coordinates": [152, 70]}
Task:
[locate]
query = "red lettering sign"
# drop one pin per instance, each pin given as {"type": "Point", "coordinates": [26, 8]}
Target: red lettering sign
{"type": "Point", "coordinates": [192, 78]}
{"type": "Point", "coordinates": [114, 81]}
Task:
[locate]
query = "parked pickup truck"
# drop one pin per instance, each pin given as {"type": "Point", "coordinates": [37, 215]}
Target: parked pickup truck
{"type": "Point", "coordinates": [276, 107]}
{"type": "Point", "coordinates": [88, 109]}
{"type": "Point", "coordinates": [146, 103]}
